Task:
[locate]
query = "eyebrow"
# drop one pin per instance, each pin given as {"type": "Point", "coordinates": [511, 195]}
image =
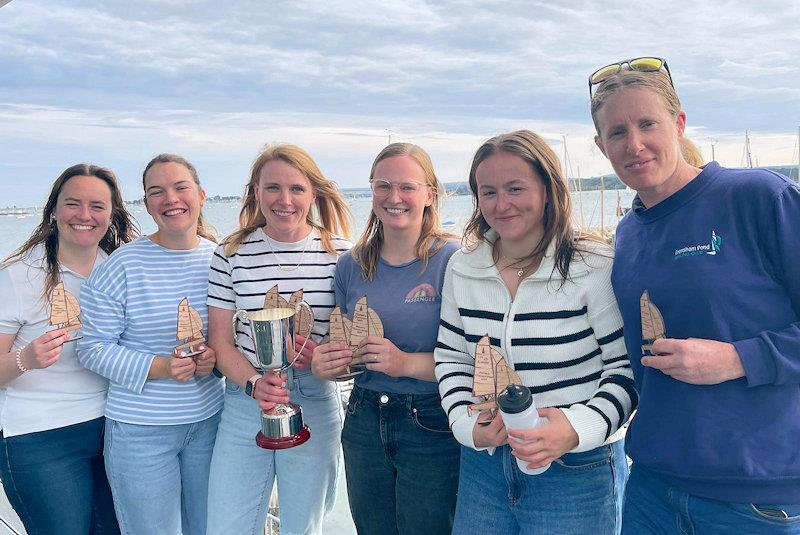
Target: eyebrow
{"type": "Point", "coordinates": [178, 183]}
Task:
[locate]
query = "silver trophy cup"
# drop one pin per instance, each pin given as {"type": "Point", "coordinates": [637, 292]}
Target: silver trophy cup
{"type": "Point", "coordinates": [272, 331]}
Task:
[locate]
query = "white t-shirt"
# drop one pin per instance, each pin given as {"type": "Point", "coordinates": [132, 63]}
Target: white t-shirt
{"type": "Point", "coordinates": [64, 394]}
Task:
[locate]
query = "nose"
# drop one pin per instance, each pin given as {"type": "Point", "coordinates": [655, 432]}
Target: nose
{"type": "Point", "coordinates": [394, 193]}
{"type": "Point", "coordinates": [634, 143]}
{"type": "Point", "coordinates": [502, 201]}
{"type": "Point", "coordinates": [85, 213]}
{"type": "Point", "coordinates": [285, 196]}
{"type": "Point", "coordinates": [171, 196]}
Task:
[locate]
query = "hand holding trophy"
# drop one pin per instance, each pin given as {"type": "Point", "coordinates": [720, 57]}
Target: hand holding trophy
{"type": "Point", "coordinates": [273, 331]}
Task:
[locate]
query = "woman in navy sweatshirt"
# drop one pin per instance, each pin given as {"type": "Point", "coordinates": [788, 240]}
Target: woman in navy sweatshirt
{"type": "Point", "coordinates": [715, 440]}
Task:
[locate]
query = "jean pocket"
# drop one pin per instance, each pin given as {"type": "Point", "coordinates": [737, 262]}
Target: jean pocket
{"type": "Point", "coordinates": [431, 419]}
{"type": "Point", "coordinates": [231, 387]}
{"type": "Point", "coordinates": [772, 513]}
{"type": "Point", "coordinates": [311, 387]}
{"type": "Point", "coordinates": [586, 460]}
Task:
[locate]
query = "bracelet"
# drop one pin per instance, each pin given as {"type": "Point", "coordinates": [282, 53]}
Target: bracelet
{"type": "Point", "coordinates": [18, 358]}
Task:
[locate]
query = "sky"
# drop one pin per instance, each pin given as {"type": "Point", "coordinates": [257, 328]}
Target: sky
{"type": "Point", "coordinates": [116, 82]}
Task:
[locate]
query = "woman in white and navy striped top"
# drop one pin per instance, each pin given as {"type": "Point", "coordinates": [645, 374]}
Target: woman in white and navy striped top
{"type": "Point", "coordinates": [289, 222]}
{"type": "Point", "coordinates": [543, 295]}
{"type": "Point", "coordinates": [163, 408]}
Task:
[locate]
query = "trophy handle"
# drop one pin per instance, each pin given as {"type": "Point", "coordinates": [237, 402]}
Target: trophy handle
{"type": "Point", "coordinates": [298, 306]}
{"type": "Point", "coordinates": [240, 315]}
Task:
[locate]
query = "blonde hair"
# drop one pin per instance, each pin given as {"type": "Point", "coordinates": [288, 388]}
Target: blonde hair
{"type": "Point", "coordinates": [657, 82]}
{"type": "Point", "coordinates": [204, 229]}
{"type": "Point", "coordinates": [558, 225]}
{"type": "Point", "coordinates": [334, 214]}
{"type": "Point", "coordinates": [431, 237]}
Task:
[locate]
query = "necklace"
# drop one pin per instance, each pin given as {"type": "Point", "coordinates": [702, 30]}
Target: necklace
{"type": "Point", "coordinates": [302, 254]}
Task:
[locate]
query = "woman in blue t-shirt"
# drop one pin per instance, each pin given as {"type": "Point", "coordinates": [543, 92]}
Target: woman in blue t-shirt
{"type": "Point", "coordinates": [401, 459]}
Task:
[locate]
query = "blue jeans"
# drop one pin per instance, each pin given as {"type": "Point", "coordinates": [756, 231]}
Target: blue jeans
{"type": "Point", "coordinates": [159, 475]}
{"type": "Point", "coordinates": [401, 462]}
{"type": "Point", "coordinates": [56, 482]}
{"type": "Point", "coordinates": [242, 474]}
{"type": "Point", "coordinates": [652, 506]}
{"type": "Point", "coordinates": [578, 494]}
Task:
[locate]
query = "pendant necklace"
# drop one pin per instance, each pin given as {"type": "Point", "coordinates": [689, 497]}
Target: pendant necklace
{"type": "Point", "coordinates": [288, 268]}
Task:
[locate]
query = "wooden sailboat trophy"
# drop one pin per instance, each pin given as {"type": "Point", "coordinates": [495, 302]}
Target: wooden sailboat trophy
{"type": "Point", "coordinates": [303, 319]}
{"type": "Point", "coordinates": [189, 331]}
{"type": "Point", "coordinates": [65, 311]}
{"type": "Point", "coordinates": [366, 322]}
{"type": "Point", "coordinates": [491, 377]}
{"type": "Point", "coordinates": [652, 323]}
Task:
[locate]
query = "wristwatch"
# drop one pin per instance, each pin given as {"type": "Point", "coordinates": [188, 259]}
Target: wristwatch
{"type": "Point", "coordinates": [250, 386]}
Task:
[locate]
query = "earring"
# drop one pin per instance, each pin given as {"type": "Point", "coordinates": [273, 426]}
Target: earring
{"type": "Point", "coordinates": [52, 218]}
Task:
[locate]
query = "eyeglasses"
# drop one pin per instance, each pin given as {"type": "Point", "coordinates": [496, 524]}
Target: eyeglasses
{"type": "Point", "coordinates": [382, 188]}
{"type": "Point", "coordinates": [644, 64]}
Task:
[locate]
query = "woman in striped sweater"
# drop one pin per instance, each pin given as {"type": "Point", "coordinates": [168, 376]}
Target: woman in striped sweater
{"type": "Point", "coordinates": [163, 408]}
{"type": "Point", "coordinates": [541, 291]}
{"type": "Point", "coordinates": [289, 228]}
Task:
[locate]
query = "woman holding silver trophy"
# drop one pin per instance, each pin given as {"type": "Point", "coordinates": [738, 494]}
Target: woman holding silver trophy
{"type": "Point", "coordinates": [400, 457]}
{"type": "Point", "coordinates": [289, 232]}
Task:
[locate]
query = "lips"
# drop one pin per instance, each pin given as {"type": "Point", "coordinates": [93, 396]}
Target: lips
{"type": "Point", "coordinates": [82, 228]}
{"type": "Point", "coordinates": [638, 164]}
{"type": "Point", "coordinates": [395, 211]}
{"type": "Point", "coordinates": [284, 213]}
{"type": "Point", "coordinates": [174, 212]}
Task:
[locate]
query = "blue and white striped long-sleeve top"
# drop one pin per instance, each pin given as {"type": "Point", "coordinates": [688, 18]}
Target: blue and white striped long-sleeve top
{"type": "Point", "coordinates": [129, 309]}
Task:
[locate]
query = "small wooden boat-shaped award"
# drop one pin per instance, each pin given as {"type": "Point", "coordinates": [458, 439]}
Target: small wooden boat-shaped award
{"type": "Point", "coordinates": [189, 331]}
{"type": "Point", "coordinates": [491, 377]}
{"type": "Point", "coordinates": [366, 322]}
{"type": "Point", "coordinates": [303, 321]}
{"type": "Point", "coordinates": [65, 311]}
{"type": "Point", "coordinates": [652, 323]}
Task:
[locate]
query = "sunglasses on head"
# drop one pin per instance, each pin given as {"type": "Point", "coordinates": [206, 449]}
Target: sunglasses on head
{"type": "Point", "coordinates": [643, 64]}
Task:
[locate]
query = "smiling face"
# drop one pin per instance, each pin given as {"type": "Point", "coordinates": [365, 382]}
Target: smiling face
{"type": "Point", "coordinates": [82, 212]}
{"type": "Point", "coordinates": [173, 199]}
{"type": "Point", "coordinates": [285, 197]}
{"type": "Point", "coordinates": [402, 209]}
{"type": "Point", "coordinates": [642, 140]}
{"type": "Point", "coordinates": [512, 198]}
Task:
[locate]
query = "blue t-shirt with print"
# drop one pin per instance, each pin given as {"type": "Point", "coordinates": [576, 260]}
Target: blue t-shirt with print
{"type": "Point", "coordinates": [407, 299]}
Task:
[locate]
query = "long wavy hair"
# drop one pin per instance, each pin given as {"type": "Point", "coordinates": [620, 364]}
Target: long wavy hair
{"type": "Point", "coordinates": [333, 216]}
{"type": "Point", "coordinates": [659, 83]}
{"type": "Point", "coordinates": [121, 230]}
{"type": "Point", "coordinates": [558, 222]}
{"type": "Point", "coordinates": [204, 229]}
{"type": "Point", "coordinates": [431, 237]}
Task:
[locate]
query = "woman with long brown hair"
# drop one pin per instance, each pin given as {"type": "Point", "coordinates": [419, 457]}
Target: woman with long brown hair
{"type": "Point", "coordinates": [400, 457]}
{"type": "Point", "coordinates": [51, 460]}
{"type": "Point", "coordinates": [540, 292]}
{"type": "Point", "coordinates": [292, 226]}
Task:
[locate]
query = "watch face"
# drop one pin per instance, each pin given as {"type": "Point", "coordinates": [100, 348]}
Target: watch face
{"type": "Point", "coordinates": [248, 388]}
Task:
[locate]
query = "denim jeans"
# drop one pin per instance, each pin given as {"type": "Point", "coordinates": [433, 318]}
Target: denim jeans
{"type": "Point", "coordinates": [652, 506]}
{"type": "Point", "coordinates": [401, 462]}
{"type": "Point", "coordinates": [578, 494]}
{"type": "Point", "coordinates": [56, 482]}
{"type": "Point", "coordinates": [159, 475]}
{"type": "Point", "coordinates": [242, 474]}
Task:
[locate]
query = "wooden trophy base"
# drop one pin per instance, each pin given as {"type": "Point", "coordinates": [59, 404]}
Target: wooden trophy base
{"type": "Point", "coordinates": [283, 443]}
{"type": "Point", "coordinates": [349, 374]}
{"type": "Point", "coordinates": [188, 350]}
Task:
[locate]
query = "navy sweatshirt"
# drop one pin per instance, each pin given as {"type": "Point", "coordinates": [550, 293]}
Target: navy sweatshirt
{"type": "Point", "coordinates": [721, 260]}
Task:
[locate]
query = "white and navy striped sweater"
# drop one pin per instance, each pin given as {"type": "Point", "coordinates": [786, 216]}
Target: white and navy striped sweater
{"type": "Point", "coordinates": [565, 342]}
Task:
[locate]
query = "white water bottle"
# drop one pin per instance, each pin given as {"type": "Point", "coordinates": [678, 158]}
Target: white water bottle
{"type": "Point", "coordinates": [519, 412]}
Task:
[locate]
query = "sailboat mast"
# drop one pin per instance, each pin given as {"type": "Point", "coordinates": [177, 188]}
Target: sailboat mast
{"type": "Point", "coordinates": [747, 148]}
{"type": "Point", "coordinates": [798, 155]}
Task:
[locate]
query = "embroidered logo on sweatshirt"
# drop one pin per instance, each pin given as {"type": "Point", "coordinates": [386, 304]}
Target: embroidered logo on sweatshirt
{"type": "Point", "coordinates": [422, 293]}
{"type": "Point", "coordinates": [711, 248]}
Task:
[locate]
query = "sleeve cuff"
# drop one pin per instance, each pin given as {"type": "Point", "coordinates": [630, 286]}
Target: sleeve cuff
{"type": "Point", "coordinates": [590, 427]}
{"type": "Point", "coordinates": [757, 369]}
{"type": "Point", "coordinates": [462, 430]}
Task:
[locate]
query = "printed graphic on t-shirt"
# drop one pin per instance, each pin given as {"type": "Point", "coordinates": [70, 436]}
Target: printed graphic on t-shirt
{"type": "Point", "coordinates": [422, 293]}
